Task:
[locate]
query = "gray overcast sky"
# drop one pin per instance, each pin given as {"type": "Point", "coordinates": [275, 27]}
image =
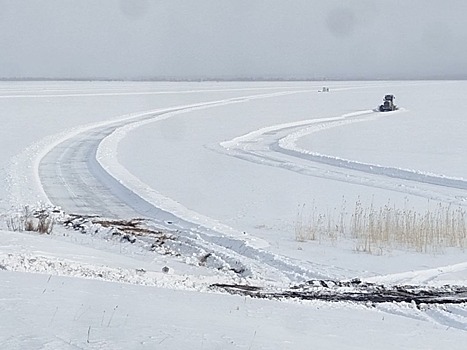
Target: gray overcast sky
{"type": "Point", "coordinates": [368, 39]}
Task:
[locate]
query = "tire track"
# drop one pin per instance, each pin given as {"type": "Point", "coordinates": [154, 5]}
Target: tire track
{"type": "Point", "coordinates": [276, 146]}
{"type": "Point", "coordinates": [75, 180]}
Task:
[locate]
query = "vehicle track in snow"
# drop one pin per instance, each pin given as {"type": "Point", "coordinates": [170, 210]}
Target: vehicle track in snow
{"type": "Point", "coordinates": [276, 146]}
{"type": "Point", "coordinates": [74, 179]}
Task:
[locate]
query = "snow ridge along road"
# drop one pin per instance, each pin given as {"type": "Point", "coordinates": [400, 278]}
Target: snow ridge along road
{"type": "Point", "coordinates": [277, 146]}
{"type": "Point", "coordinates": [81, 174]}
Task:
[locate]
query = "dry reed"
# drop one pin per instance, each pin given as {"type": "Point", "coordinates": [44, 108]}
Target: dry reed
{"type": "Point", "coordinates": [377, 229]}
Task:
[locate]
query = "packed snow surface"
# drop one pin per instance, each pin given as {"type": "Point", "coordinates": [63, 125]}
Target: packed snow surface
{"type": "Point", "coordinates": [220, 173]}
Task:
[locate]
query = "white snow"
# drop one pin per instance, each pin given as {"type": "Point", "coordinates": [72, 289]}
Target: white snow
{"type": "Point", "coordinates": [231, 163]}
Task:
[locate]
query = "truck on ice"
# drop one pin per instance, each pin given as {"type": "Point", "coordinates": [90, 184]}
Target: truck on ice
{"type": "Point", "coordinates": [388, 104]}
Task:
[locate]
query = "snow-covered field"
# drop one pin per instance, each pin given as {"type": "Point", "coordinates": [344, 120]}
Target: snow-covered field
{"type": "Point", "coordinates": [228, 168]}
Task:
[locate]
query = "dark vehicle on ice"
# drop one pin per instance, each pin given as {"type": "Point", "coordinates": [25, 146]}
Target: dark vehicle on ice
{"type": "Point", "coordinates": [388, 104]}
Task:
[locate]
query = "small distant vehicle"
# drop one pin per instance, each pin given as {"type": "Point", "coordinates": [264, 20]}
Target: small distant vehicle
{"type": "Point", "coordinates": [325, 89]}
{"type": "Point", "coordinates": [388, 104]}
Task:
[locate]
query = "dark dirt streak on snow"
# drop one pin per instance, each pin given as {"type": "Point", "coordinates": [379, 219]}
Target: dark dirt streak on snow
{"type": "Point", "coordinates": [355, 291]}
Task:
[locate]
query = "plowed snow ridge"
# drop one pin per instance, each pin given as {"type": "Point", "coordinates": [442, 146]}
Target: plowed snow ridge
{"type": "Point", "coordinates": [277, 146]}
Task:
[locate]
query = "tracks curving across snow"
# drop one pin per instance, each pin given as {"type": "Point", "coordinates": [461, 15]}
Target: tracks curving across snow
{"type": "Point", "coordinates": [80, 173]}
{"type": "Point", "coordinates": [277, 146]}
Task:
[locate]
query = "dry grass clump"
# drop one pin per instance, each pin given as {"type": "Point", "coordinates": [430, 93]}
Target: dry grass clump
{"type": "Point", "coordinates": [379, 229]}
{"type": "Point", "coordinates": [320, 226]}
{"type": "Point", "coordinates": [38, 220]}
{"type": "Point", "coordinates": [429, 231]}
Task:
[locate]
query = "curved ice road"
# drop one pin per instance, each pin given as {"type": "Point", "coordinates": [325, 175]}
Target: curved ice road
{"type": "Point", "coordinates": [277, 146]}
{"type": "Point", "coordinates": [81, 175]}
